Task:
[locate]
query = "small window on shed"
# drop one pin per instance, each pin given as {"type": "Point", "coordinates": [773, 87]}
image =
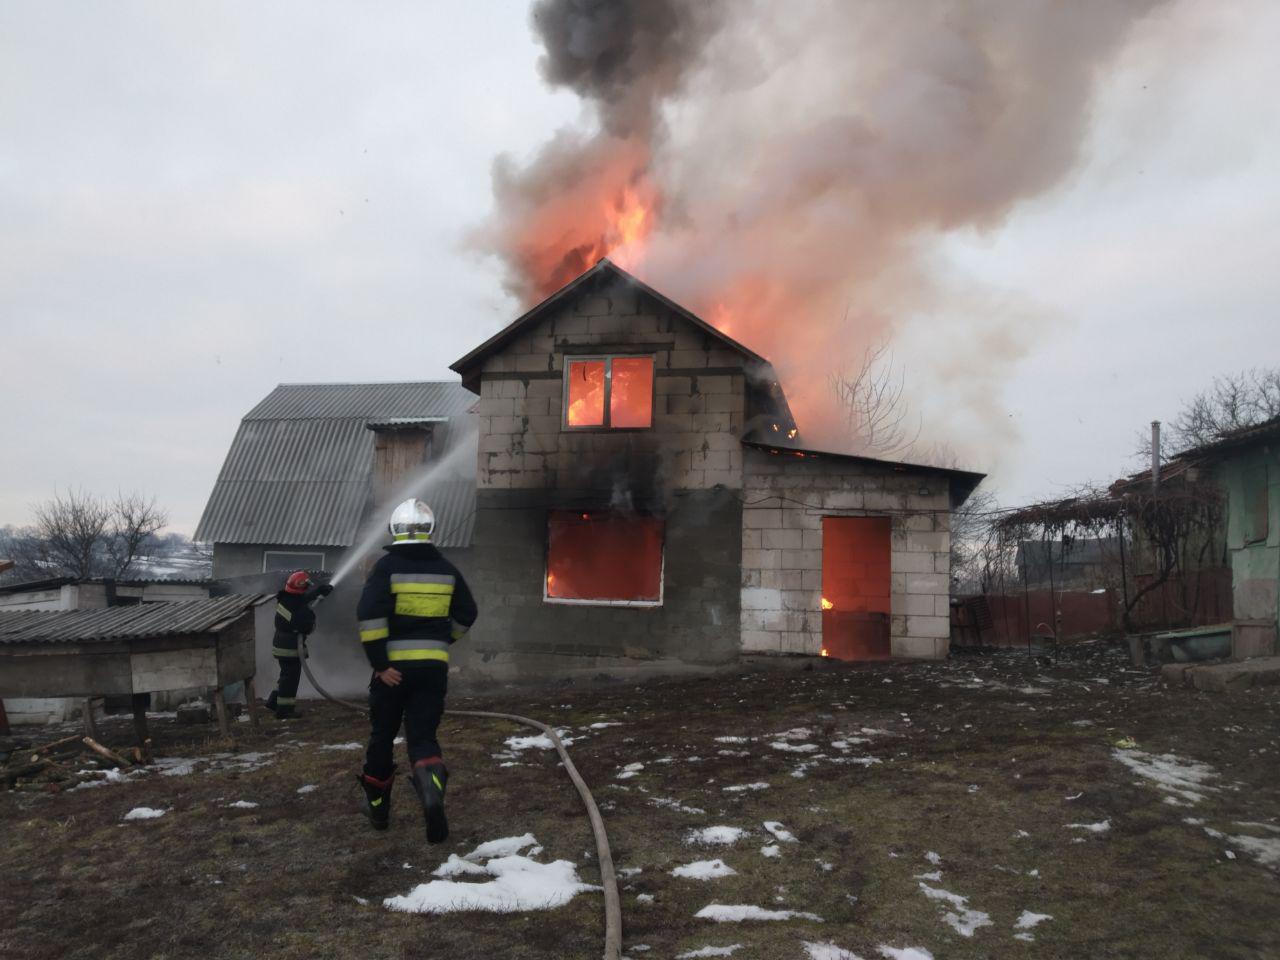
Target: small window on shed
{"type": "Point", "coordinates": [603, 557]}
{"type": "Point", "coordinates": [273, 560]}
{"type": "Point", "coordinates": [610, 392]}
{"type": "Point", "coordinates": [1257, 506]}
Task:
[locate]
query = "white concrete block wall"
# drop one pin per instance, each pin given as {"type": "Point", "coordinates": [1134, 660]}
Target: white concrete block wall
{"type": "Point", "coordinates": [785, 502]}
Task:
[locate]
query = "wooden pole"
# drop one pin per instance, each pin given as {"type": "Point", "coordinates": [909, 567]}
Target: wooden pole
{"type": "Point", "coordinates": [90, 726]}
{"type": "Point", "coordinates": [140, 718]}
{"type": "Point", "coordinates": [220, 702]}
{"type": "Point", "coordinates": [251, 700]}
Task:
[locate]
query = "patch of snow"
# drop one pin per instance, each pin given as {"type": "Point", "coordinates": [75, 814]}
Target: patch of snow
{"type": "Point", "coordinates": [795, 733]}
{"type": "Point", "coordinates": [761, 785]}
{"type": "Point", "coordinates": [961, 917]}
{"type": "Point", "coordinates": [644, 898]}
{"type": "Point", "coordinates": [794, 747]}
{"type": "Point", "coordinates": [1266, 850]}
{"type": "Point", "coordinates": [779, 832]}
{"type": "Point", "coordinates": [455, 866]}
{"type": "Point", "coordinates": [933, 858]}
{"type": "Point", "coordinates": [502, 847]}
{"type": "Point", "coordinates": [360, 900]}
{"type": "Point", "coordinates": [733, 740]}
{"type": "Point", "coordinates": [243, 805]}
{"type": "Point", "coordinates": [1102, 826]}
{"type": "Point", "coordinates": [1186, 779]}
{"type": "Point", "coordinates": [736, 913]}
{"type": "Point", "coordinates": [670, 804]}
{"type": "Point", "coordinates": [771, 850]}
{"type": "Point", "coordinates": [828, 951]}
{"type": "Point", "coordinates": [518, 884]}
{"type": "Point", "coordinates": [308, 788]}
{"type": "Point", "coordinates": [906, 953]}
{"type": "Point", "coordinates": [718, 835]}
{"type": "Point", "coordinates": [629, 771]}
{"type": "Point", "coordinates": [353, 745]}
{"type": "Point", "coordinates": [935, 876]}
{"type": "Point", "coordinates": [1027, 919]}
{"type": "Point", "coordinates": [604, 724]}
{"type": "Point", "coordinates": [537, 742]}
{"type": "Point", "coordinates": [144, 813]}
{"type": "Point", "coordinates": [704, 870]}
{"type": "Point", "coordinates": [627, 872]}
{"type": "Point", "coordinates": [709, 952]}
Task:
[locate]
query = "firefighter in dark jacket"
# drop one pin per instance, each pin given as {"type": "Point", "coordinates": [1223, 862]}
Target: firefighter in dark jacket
{"type": "Point", "coordinates": [415, 604]}
{"type": "Point", "coordinates": [294, 619]}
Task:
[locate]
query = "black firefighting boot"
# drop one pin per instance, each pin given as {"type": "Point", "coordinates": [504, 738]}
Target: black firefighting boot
{"type": "Point", "coordinates": [284, 708]}
{"type": "Point", "coordinates": [429, 779]}
{"type": "Point", "coordinates": [376, 804]}
{"type": "Point", "coordinates": [271, 700]}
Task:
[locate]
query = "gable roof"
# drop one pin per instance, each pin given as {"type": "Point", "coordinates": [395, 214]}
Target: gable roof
{"type": "Point", "coordinates": [299, 471]}
{"type": "Point", "coordinates": [605, 270]}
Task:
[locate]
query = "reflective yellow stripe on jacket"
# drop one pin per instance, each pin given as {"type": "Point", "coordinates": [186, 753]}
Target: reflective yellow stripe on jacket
{"type": "Point", "coordinates": [371, 630]}
{"type": "Point", "coordinates": [422, 594]}
{"type": "Point", "coordinates": [283, 611]}
{"type": "Point", "coordinates": [418, 650]}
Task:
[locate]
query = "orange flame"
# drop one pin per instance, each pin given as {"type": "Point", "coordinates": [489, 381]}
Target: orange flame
{"type": "Point", "coordinates": [823, 652]}
{"type": "Point", "coordinates": [827, 604]}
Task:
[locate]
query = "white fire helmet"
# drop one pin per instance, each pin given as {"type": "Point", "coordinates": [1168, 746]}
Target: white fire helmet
{"type": "Point", "coordinates": [412, 522]}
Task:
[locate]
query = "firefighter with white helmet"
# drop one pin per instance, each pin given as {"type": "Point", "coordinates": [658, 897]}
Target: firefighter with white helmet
{"type": "Point", "coordinates": [415, 605]}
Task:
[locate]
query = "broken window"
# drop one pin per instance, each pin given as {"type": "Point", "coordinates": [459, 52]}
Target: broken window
{"type": "Point", "coordinates": [1256, 504]}
{"type": "Point", "coordinates": [603, 557]}
{"type": "Point", "coordinates": [611, 392]}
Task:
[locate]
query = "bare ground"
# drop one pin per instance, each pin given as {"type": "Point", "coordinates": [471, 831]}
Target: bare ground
{"type": "Point", "coordinates": [984, 762]}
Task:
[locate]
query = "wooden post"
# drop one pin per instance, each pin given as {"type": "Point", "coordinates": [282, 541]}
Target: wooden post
{"type": "Point", "coordinates": [251, 700]}
{"type": "Point", "coordinates": [220, 702]}
{"type": "Point", "coordinates": [140, 718]}
{"type": "Point", "coordinates": [90, 727]}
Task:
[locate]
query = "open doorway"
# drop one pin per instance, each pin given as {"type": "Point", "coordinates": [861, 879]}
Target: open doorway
{"type": "Point", "coordinates": [855, 588]}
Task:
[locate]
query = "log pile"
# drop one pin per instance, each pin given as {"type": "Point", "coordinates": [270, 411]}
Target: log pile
{"type": "Point", "coordinates": [62, 764]}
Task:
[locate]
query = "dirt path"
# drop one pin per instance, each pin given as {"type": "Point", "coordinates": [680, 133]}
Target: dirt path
{"type": "Point", "coordinates": [931, 806]}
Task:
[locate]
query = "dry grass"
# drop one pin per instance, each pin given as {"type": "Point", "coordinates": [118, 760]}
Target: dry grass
{"type": "Point", "coordinates": [964, 767]}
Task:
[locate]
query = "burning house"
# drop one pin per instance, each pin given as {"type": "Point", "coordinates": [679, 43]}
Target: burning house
{"type": "Point", "coordinates": [643, 495]}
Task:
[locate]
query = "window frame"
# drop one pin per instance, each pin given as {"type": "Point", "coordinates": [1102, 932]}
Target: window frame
{"type": "Point", "coordinates": [1255, 489]}
{"type": "Point", "coordinates": [293, 553]}
{"type": "Point", "coordinates": [607, 358]}
{"type": "Point", "coordinates": [576, 602]}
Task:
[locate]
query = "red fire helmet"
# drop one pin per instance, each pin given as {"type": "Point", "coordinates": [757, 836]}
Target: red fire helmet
{"type": "Point", "coordinates": [299, 582]}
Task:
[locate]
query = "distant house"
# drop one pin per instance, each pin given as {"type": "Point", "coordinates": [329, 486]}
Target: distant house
{"type": "Point", "coordinates": [1246, 464]}
{"type": "Point", "coordinates": [316, 468]}
{"type": "Point", "coordinates": [311, 463]}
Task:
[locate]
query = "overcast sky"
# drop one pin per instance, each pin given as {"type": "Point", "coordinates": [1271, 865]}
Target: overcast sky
{"type": "Point", "coordinates": [200, 201]}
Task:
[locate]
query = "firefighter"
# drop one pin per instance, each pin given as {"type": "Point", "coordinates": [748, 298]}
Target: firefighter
{"type": "Point", "coordinates": [294, 619]}
{"type": "Point", "coordinates": [415, 604]}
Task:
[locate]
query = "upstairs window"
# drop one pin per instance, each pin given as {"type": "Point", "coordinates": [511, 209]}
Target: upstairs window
{"type": "Point", "coordinates": [1257, 506]}
{"type": "Point", "coordinates": [604, 558]}
{"type": "Point", "coordinates": [610, 393]}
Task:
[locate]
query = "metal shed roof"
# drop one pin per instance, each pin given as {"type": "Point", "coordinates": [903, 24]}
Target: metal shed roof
{"type": "Point", "coordinates": [136, 622]}
{"type": "Point", "coordinates": [299, 469]}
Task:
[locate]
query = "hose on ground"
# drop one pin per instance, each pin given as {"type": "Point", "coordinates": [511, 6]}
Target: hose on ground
{"type": "Point", "coordinates": [608, 878]}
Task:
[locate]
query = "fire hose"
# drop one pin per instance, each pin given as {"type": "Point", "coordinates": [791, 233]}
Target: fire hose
{"type": "Point", "coordinates": [608, 879]}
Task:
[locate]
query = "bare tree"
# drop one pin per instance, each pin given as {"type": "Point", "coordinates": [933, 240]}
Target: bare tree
{"type": "Point", "coordinates": [872, 402]}
{"type": "Point", "coordinates": [1233, 401]}
{"type": "Point", "coordinates": [134, 522]}
{"type": "Point", "coordinates": [77, 534]}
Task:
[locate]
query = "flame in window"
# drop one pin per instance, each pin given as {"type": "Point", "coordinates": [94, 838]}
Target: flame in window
{"type": "Point", "coordinates": [827, 604]}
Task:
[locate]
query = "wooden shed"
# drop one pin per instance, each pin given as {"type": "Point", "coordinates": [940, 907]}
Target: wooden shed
{"type": "Point", "coordinates": [132, 650]}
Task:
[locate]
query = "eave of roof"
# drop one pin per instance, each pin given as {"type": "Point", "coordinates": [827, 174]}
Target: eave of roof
{"type": "Point", "coordinates": [965, 481]}
{"type": "Point", "coordinates": [465, 367]}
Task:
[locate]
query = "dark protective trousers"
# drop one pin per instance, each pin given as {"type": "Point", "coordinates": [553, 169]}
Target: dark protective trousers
{"type": "Point", "coordinates": [417, 702]}
{"type": "Point", "coordinates": [287, 683]}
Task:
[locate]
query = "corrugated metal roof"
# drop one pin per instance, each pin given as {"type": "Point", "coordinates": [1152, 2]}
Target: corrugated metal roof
{"type": "Point", "coordinates": [454, 504]}
{"type": "Point", "coordinates": [300, 467]}
{"type": "Point", "coordinates": [136, 622]}
{"type": "Point", "coordinates": [363, 401]}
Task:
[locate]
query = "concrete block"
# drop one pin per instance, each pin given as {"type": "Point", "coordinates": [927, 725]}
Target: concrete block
{"type": "Point", "coordinates": [926, 583]}
{"type": "Point", "coordinates": [928, 626]}
{"type": "Point", "coordinates": [914, 648]}
{"type": "Point", "coordinates": [811, 539]}
{"type": "Point", "coordinates": [1229, 677]}
{"type": "Point", "coordinates": [532, 407]}
{"type": "Point", "coordinates": [508, 425]}
{"type": "Point", "coordinates": [802, 559]}
{"type": "Point", "coordinates": [942, 564]}
{"type": "Point", "coordinates": [751, 539]}
{"type": "Point", "coordinates": [1175, 674]}
{"type": "Point", "coordinates": [509, 389]}
{"type": "Point", "coordinates": [811, 579]}
{"type": "Point", "coordinates": [761, 641]}
{"type": "Point", "coordinates": [592, 306]}
{"type": "Point", "coordinates": [545, 388]}
{"type": "Point", "coordinates": [804, 600]}
{"type": "Point", "coordinates": [688, 359]}
{"type": "Point", "coordinates": [608, 324]}
{"type": "Point", "coordinates": [718, 384]}
{"type": "Point", "coordinates": [761, 598]}
{"type": "Point", "coordinates": [920, 605]}
{"type": "Point", "coordinates": [682, 403]}
{"type": "Point", "coordinates": [912, 562]}
{"type": "Point", "coordinates": [547, 424]}
{"type": "Point", "coordinates": [941, 606]}
{"type": "Point", "coordinates": [712, 422]}
{"type": "Point", "coordinates": [762, 559]}
{"type": "Point", "coordinates": [568, 325]}
{"type": "Point", "coordinates": [928, 542]}
{"type": "Point", "coordinates": [673, 422]}
{"type": "Point", "coordinates": [918, 522]}
{"type": "Point", "coordinates": [761, 518]}
{"type": "Point", "coordinates": [666, 385]}
{"type": "Point", "coordinates": [723, 403]}
{"type": "Point", "coordinates": [783, 539]}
